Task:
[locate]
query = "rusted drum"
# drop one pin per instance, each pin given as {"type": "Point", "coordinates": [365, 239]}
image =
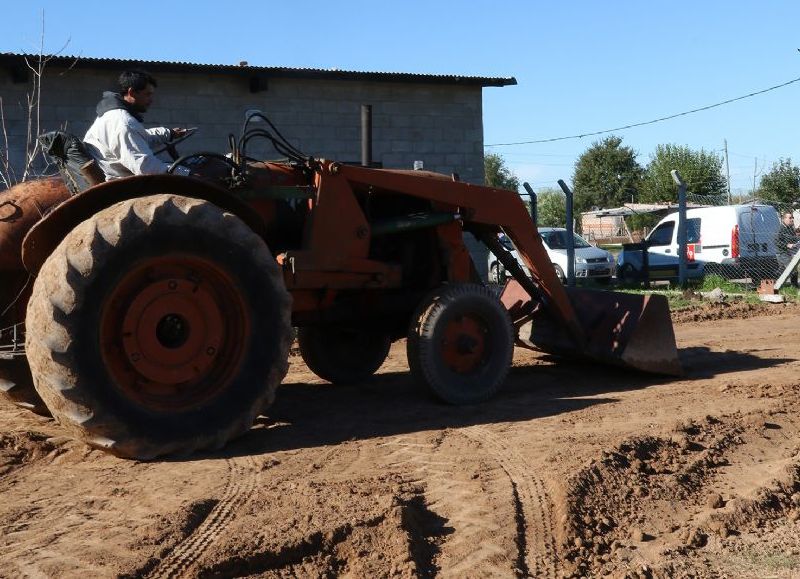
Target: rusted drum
{"type": "Point", "coordinates": [21, 207]}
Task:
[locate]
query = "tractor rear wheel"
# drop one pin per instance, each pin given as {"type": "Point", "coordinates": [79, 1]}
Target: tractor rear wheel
{"type": "Point", "coordinates": [160, 325]}
{"type": "Point", "coordinates": [16, 385]}
{"type": "Point", "coordinates": [461, 343]}
{"type": "Point", "coordinates": [343, 355]}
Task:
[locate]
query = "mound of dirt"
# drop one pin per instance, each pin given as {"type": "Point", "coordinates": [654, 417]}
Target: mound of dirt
{"type": "Point", "coordinates": [18, 449]}
{"type": "Point", "coordinates": [643, 508]}
{"type": "Point", "coordinates": [708, 311]}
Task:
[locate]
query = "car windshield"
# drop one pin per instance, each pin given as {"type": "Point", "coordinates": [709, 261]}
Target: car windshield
{"type": "Point", "coordinates": [558, 240]}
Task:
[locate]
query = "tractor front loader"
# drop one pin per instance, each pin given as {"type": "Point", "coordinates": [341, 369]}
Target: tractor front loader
{"type": "Point", "coordinates": [157, 311]}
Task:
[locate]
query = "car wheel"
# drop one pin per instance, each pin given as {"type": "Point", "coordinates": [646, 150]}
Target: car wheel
{"type": "Point", "coordinates": [498, 273]}
{"type": "Point", "coordinates": [560, 273]}
{"type": "Point", "coordinates": [628, 274]}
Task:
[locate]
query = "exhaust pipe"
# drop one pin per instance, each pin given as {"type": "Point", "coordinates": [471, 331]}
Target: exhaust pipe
{"type": "Point", "coordinates": [366, 135]}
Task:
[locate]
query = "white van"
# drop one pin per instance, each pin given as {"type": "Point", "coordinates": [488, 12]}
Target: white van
{"type": "Point", "coordinates": [736, 241]}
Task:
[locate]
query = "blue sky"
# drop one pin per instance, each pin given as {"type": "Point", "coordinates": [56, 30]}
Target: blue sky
{"type": "Point", "coordinates": [582, 66]}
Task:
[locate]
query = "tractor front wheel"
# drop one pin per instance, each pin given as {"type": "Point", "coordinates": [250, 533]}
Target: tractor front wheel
{"type": "Point", "coordinates": [343, 355]}
{"type": "Point", "coordinates": [461, 343]}
{"type": "Point", "coordinates": [160, 325]}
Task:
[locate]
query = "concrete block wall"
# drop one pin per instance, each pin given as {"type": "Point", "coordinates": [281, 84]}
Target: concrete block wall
{"type": "Point", "coordinates": [439, 124]}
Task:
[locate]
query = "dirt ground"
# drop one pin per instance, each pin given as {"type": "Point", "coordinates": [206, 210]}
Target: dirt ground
{"type": "Point", "coordinates": [572, 470]}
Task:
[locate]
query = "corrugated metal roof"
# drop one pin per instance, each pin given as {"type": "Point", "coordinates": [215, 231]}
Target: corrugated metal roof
{"type": "Point", "coordinates": [82, 62]}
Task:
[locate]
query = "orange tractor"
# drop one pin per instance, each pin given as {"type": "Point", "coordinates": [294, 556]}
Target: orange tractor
{"type": "Point", "coordinates": [154, 314]}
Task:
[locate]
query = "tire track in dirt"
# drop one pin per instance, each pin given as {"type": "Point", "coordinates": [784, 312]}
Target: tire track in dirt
{"type": "Point", "coordinates": [241, 484]}
{"type": "Point", "coordinates": [472, 551]}
{"type": "Point", "coordinates": [533, 506]}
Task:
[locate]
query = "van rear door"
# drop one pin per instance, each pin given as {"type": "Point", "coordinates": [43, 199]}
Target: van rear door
{"type": "Point", "coordinates": [758, 228]}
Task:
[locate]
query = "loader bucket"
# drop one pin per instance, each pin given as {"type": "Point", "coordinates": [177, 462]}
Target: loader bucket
{"type": "Point", "coordinates": [629, 330]}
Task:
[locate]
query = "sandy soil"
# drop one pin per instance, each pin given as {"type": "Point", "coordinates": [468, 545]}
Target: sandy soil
{"type": "Point", "coordinates": [572, 470]}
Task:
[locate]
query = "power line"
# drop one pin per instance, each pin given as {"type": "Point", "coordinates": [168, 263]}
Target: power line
{"type": "Point", "coordinates": [595, 133]}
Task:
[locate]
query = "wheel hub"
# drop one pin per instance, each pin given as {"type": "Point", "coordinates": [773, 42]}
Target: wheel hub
{"type": "Point", "coordinates": [464, 344]}
{"type": "Point", "coordinates": [172, 331]}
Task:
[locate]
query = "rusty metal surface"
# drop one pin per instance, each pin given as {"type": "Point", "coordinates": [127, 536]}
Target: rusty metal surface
{"type": "Point", "coordinates": [631, 329]}
{"type": "Point", "coordinates": [48, 233]}
{"type": "Point", "coordinates": [173, 331]}
{"type": "Point", "coordinates": [496, 209]}
{"type": "Point", "coordinates": [21, 207]}
{"type": "Point", "coordinates": [628, 330]}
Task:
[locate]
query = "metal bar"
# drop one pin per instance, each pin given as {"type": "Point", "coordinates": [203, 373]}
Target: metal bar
{"type": "Point", "coordinates": [788, 271]}
{"type": "Point", "coordinates": [570, 235]}
{"type": "Point", "coordinates": [681, 226]}
{"type": "Point", "coordinates": [510, 264]}
{"type": "Point", "coordinates": [411, 222]}
{"type": "Point", "coordinates": [534, 203]}
{"type": "Point", "coordinates": [366, 135]}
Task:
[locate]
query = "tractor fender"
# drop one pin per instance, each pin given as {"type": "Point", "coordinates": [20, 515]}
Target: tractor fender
{"type": "Point", "coordinates": [45, 236]}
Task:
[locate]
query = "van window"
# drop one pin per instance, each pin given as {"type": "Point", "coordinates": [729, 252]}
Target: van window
{"type": "Point", "coordinates": [662, 235]}
{"type": "Point", "coordinates": [693, 230]}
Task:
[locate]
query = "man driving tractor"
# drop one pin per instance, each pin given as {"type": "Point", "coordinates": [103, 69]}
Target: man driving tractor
{"type": "Point", "coordinates": [118, 140]}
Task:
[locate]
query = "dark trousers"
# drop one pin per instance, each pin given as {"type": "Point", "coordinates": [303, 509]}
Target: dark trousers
{"type": "Point", "coordinates": [783, 262]}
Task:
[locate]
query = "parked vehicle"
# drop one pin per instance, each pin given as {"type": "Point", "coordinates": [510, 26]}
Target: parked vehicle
{"type": "Point", "coordinates": [590, 262]}
{"type": "Point", "coordinates": [735, 241]}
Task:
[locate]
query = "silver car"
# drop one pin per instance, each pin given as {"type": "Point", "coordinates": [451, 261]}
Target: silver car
{"type": "Point", "coordinates": [590, 262]}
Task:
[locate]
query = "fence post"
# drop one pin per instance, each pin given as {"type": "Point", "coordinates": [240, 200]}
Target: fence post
{"type": "Point", "coordinates": [681, 226]}
{"type": "Point", "coordinates": [534, 203]}
{"type": "Point", "coordinates": [570, 235]}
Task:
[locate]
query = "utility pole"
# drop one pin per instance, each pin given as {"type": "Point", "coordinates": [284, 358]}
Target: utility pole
{"type": "Point", "coordinates": [727, 171]}
{"type": "Point", "coordinates": [755, 171]}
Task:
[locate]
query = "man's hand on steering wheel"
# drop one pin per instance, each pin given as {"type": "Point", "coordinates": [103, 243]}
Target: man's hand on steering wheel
{"type": "Point", "coordinates": [177, 135]}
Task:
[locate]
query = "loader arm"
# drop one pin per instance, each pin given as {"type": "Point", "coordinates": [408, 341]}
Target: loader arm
{"type": "Point", "coordinates": [497, 209]}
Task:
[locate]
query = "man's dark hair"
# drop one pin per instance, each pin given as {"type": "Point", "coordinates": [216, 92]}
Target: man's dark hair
{"type": "Point", "coordinates": [135, 79]}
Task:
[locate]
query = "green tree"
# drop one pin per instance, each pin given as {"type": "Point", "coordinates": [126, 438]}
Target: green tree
{"type": "Point", "coordinates": [551, 206]}
{"type": "Point", "coordinates": [781, 184]}
{"type": "Point", "coordinates": [701, 170]}
{"type": "Point", "coordinates": [606, 175]}
{"type": "Point", "coordinates": [498, 175]}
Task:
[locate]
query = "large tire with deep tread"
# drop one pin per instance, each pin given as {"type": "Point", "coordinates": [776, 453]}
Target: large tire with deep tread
{"type": "Point", "coordinates": [343, 355]}
{"type": "Point", "coordinates": [160, 325]}
{"type": "Point", "coordinates": [461, 343]}
{"type": "Point", "coordinates": [16, 385]}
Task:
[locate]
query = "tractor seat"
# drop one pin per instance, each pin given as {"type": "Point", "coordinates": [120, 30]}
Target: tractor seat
{"type": "Point", "coordinates": [76, 166]}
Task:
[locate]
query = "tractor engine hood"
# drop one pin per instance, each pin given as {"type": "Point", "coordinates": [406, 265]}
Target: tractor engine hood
{"type": "Point", "coordinates": [21, 207]}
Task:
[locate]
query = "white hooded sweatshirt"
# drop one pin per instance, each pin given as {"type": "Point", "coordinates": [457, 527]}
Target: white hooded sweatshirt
{"type": "Point", "coordinates": [119, 142]}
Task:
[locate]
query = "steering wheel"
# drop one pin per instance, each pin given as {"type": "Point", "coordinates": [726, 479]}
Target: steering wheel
{"type": "Point", "coordinates": [169, 146]}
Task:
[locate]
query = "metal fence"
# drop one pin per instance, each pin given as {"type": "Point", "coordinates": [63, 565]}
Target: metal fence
{"type": "Point", "coordinates": [743, 243]}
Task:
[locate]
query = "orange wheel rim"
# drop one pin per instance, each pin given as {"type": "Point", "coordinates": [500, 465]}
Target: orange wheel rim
{"type": "Point", "coordinates": [174, 332]}
{"type": "Point", "coordinates": [463, 345]}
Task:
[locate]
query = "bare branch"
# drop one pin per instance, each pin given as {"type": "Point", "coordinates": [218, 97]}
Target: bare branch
{"type": "Point", "coordinates": [71, 66]}
{"type": "Point", "coordinates": [6, 170]}
{"type": "Point", "coordinates": [34, 162]}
